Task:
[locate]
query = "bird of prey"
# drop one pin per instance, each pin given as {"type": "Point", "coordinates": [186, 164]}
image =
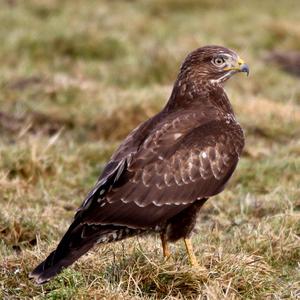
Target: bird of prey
{"type": "Point", "coordinates": [166, 168]}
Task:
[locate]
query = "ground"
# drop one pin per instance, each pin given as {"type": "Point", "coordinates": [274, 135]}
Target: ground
{"type": "Point", "coordinates": [76, 77]}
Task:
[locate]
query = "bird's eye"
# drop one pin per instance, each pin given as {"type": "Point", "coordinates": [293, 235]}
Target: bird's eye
{"type": "Point", "coordinates": [218, 61]}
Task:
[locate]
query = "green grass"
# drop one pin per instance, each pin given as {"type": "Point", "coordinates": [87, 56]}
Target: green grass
{"type": "Point", "coordinates": [76, 77]}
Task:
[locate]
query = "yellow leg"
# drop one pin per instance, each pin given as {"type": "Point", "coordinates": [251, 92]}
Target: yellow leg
{"type": "Point", "coordinates": [190, 252]}
{"type": "Point", "coordinates": [165, 246]}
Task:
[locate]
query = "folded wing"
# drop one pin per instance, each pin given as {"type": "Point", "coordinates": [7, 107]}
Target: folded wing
{"type": "Point", "coordinates": [172, 168]}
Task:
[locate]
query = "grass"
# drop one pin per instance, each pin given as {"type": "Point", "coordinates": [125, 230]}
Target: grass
{"type": "Point", "coordinates": [77, 77]}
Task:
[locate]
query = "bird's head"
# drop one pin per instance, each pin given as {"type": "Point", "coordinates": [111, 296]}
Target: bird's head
{"type": "Point", "coordinates": [214, 64]}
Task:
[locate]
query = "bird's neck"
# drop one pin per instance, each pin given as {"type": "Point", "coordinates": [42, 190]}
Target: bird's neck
{"type": "Point", "coordinates": [199, 93]}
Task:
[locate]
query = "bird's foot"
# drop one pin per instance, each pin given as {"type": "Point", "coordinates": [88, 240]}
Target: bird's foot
{"type": "Point", "coordinates": [167, 257]}
{"type": "Point", "coordinates": [192, 257]}
{"type": "Point", "coordinates": [193, 261]}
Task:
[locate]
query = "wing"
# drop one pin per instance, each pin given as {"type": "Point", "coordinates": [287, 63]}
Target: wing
{"type": "Point", "coordinates": [188, 157]}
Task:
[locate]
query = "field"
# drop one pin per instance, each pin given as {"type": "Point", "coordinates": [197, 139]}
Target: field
{"type": "Point", "coordinates": [77, 76]}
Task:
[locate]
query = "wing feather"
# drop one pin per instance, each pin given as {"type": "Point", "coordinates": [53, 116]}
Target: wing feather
{"type": "Point", "coordinates": [169, 170]}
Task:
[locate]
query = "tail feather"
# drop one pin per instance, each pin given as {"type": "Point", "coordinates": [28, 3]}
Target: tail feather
{"type": "Point", "coordinates": [79, 239]}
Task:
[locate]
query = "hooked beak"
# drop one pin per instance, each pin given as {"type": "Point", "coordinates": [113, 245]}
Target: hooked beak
{"type": "Point", "coordinates": [240, 66]}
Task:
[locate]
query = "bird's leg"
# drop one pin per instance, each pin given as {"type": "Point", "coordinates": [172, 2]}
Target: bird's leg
{"type": "Point", "coordinates": [190, 252]}
{"type": "Point", "coordinates": [165, 246]}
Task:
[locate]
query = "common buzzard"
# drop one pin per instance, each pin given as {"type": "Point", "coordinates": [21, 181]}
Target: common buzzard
{"type": "Point", "coordinates": [165, 170]}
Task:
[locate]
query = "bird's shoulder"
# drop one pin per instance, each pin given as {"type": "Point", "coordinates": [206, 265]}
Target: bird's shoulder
{"type": "Point", "coordinates": [164, 128]}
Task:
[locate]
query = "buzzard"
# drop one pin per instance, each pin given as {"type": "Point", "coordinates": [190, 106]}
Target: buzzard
{"type": "Point", "coordinates": [166, 168]}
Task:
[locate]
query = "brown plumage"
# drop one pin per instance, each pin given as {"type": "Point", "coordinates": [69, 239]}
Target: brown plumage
{"type": "Point", "coordinates": [165, 170]}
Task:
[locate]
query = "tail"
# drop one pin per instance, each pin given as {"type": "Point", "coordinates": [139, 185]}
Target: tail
{"type": "Point", "coordinates": [79, 239]}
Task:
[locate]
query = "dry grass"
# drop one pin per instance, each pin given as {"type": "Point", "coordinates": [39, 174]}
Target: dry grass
{"type": "Point", "coordinates": [77, 77]}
